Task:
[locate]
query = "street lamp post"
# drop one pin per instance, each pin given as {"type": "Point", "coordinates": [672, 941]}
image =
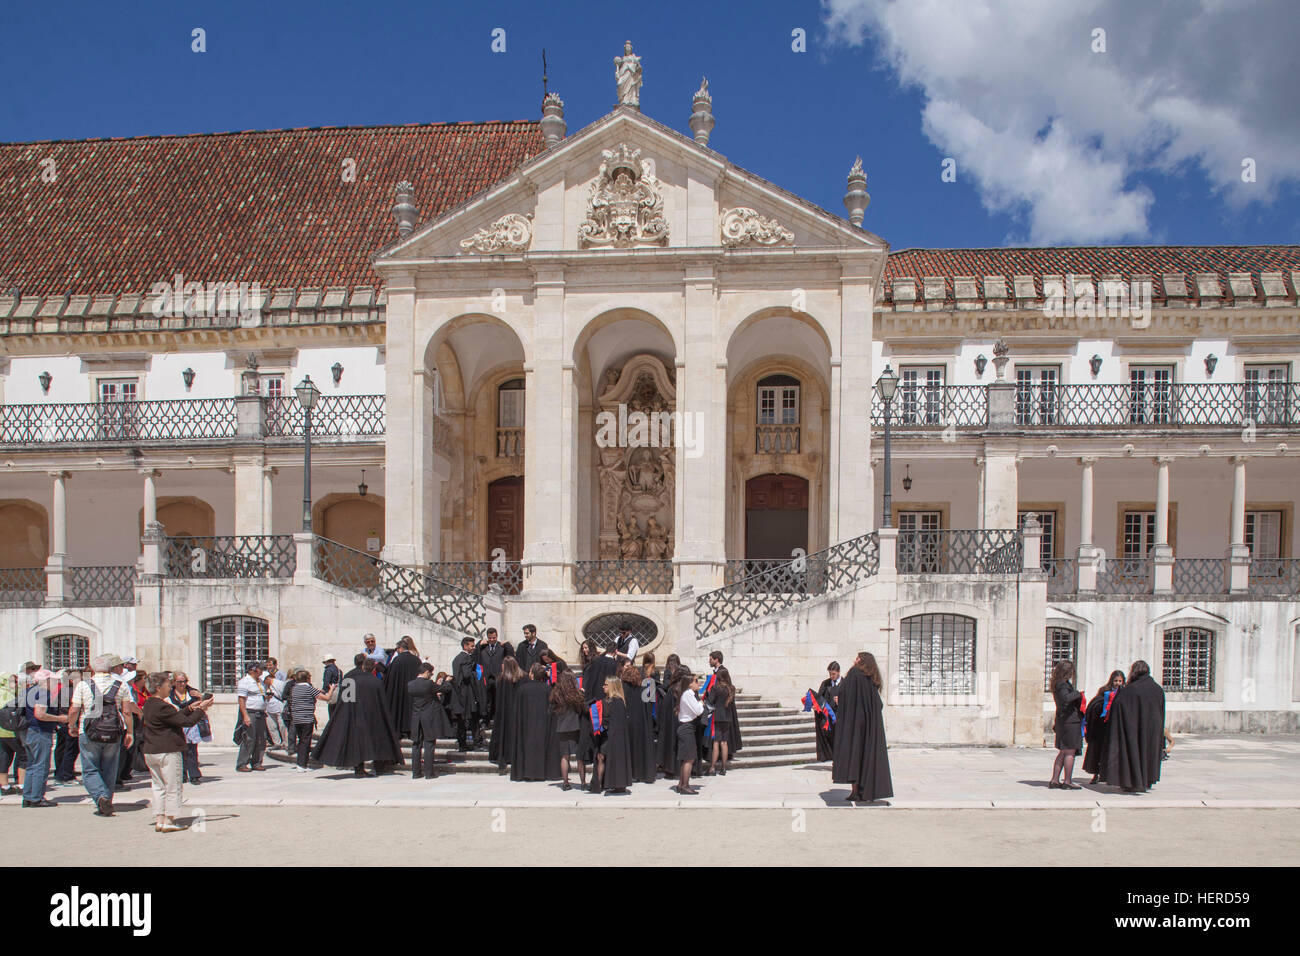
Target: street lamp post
{"type": "Point", "coordinates": [888, 384]}
{"type": "Point", "coordinates": [308, 393]}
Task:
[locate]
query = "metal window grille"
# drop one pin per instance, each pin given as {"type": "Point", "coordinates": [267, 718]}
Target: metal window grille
{"type": "Point", "coordinates": [70, 651]}
{"type": "Point", "coordinates": [1188, 660]}
{"type": "Point", "coordinates": [229, 644]}
{"type": "Point", "coordinates": [604, 630]}
{"type": "Point", "coordinates": [937, 654]}
{"type": "Point", "coordinates": [1062, 645]}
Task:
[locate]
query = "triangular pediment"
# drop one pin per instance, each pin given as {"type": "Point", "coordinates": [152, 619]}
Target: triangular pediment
{"type": "Point", "coordinates": [624, 183]}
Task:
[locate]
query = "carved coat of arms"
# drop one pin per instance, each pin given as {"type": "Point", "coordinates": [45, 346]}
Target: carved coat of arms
{"type": "Point", "coordinates": [626, 207]}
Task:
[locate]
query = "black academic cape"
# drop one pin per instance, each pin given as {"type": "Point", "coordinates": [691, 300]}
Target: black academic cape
{"type": "Point", "coordinates": [466, 688]}
{"type": "Point", "coordinates": [428, 716]}
{"type": "Point", "coordinates": [490, 657]}
{"type": "Point", "coordinates": [532, 724]}
{"type": "Point", "coordinates": [528, 656]}
{"type": "Point", "coordinates": [825, 730]}
{"type": "Point", "coordinates": [595, 674]}
{"type": "Point", "coordinates": [640, 729]}
{"type": "Point", "coordinates": [360, 729]}
{"type": "Point", "coordinates": [666, 745]}
{"type": "Point", "coordinates": [1137, 727]}
{"type": "Point", "coordinates": [1097, 729]}
{"type": "Point", "coordinates": [401, 671]}
{"type": "Point", "coordinates": [501, 748]}
{"type": "Point", "coordinates": [861, 757]}
{"type": "Point", "coordinates": [615, 747]}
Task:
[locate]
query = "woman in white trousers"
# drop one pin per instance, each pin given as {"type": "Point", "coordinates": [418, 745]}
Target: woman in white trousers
{"type": "Point", "coordinates": [164, 746]}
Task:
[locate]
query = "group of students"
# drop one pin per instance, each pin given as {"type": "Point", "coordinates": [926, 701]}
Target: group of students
{"type": "Point", "coordinates": [1123, 724]}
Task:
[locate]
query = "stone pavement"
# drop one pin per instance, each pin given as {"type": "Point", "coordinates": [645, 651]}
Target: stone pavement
{"type": "Point", "coordinates": [1204, 771]}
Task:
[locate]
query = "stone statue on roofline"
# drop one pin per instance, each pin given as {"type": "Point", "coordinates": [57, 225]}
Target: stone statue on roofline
{"type": "Point", "coordinates": [627, 75]}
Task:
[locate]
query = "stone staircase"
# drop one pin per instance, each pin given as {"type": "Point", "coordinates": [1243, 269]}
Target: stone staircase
{"type": "Point", "coordinates": [773, 735]}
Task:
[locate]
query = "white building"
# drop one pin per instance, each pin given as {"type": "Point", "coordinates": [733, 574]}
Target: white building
{"type": "Point", "coordinates": [495, 361]}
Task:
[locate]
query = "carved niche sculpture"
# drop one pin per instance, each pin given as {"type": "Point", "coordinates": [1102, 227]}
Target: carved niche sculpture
{"type": "Point", "coordinates": [626, 207]}
{"type": "Point", "coordinates": [743, 225]}
{"type": "Point", "coordinates": [511, 233]}
{"type": "Point", "coordinates": [636, 461]}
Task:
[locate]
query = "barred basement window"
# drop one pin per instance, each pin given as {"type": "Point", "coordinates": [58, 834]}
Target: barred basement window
{"type": "Point", "coordinates": [1188, 660]}
{"type": "Point", "coordinates": [1062, 645]}
{"type": "Point", "coordinates": [937, 654]}
{"type": "Point", "coordinates": [67, 650]}
{"type": "Point", "coordinates": [228, 644]}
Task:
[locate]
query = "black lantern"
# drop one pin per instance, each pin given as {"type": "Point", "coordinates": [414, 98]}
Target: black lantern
{"type": "Point", "coordinates": [907, 477]}
{"type": "Point", "coordinates": [1211, 362]}
{"type": "Point", "coordinates": [1094, 363]}
{"type": "Point", "coordinates": [45, 378]}
{"type": "Point", "coordinates": [980, 364]}
{"type": "Point", "coordinates": [363, 487]}
{"type": "Point", "coordinates": [188, 376]}
{"type": "Point", "coordinates": [337, 371]}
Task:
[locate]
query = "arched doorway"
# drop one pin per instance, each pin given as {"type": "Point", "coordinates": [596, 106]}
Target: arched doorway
{"type": "Point", "coordinates": [352, 520]}
{"type": "Point", "coordinates": [184, 517]}
{"type": "Point", "coordinates": [776, 516]}
{"type": "Point", "coordinates": [506, 517]}
{"type": "Point", "coordinates": [24, 535]}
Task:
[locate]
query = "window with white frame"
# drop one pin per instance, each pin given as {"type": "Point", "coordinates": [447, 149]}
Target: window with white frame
{"type": "Point", "coordinates": [227, 646]}
{"type": "Point", "coordinates": [920, 391]}
{"type": "Point", "coordinates": [1188, 660]}
{"type": "Point", "coordinates": [71, 651]}
{"type": "Point", "coordinates": [937, 654]}
{"type": "Point", "coordinates": [1264, 541]}
{"type": "Point", "coordinates": [1139, 535]}
{"type": "Point", "coordinates": [778, 400]}
{"type": "Point", "coordinates": [510, 404]}
{"type": "Point", "coordinates": [1150, 394]}
{"type": "Point", "coordinates": [117, 413]}
{"type": "Point", "coordinates": [1036, 394]}
{"type": "Point", "coordinates": [1062, 645]}
{"type": "Point", "coordinates": [918, 541]}
{"type": "Point", "coordinates": [118, 389]}
{"type": "Point", "coordinates": [1266, 394]}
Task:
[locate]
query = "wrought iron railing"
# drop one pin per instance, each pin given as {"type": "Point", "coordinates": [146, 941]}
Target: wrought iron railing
{"type": "Point", "coordinates": [623, 577]}
{"type": "Point", "coordinates": [510, 442]}
{"type": "Point", "coordinates": [117, 422]}
{"type": "Point", "coordinates": [352, 416]}
{"type": "Point", "coordinates": [1200, 577]}
{"type": "Point", "coordinates": [737, 569]}
{"type": "Point", "coordinates": [101, 586]}
{"type": "Point", "coordinates": [934, 406]}
{"type": "Point", "coordinates": [478, 576]}
{"type": "Point", "coordinates": [1125, 576]}
{"type": "Point", "coordinates": [404, 588]}
{"type": "Point", "coordinates": [231, 556]}
{"type": "Point", "coordinates": [1062, 575]}
{"type": "Point", "coordinates": [983, 551]}
{"type": "Point", "coordinates": [1274, 577]}
{"type": "Point", "coordinates": [787, 583]}
{"type": "Point", "coordinates": [22, 587]}
{"type": "Point", "coordinates": [1164, 405]}
{"type": "Point", "coordinates": [776, 439]}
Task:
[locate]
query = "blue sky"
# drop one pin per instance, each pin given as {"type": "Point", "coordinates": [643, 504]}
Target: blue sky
{"type": "Point", "coordinates": [904, 87]}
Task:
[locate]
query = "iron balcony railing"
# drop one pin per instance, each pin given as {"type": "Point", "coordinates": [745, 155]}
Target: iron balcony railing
{"type": "Point", "coordinates": [231, 556]}
{"type": "Point", "coordinates": [479, 576]}
{"type": "Point", "coordinates": [101, 586]}
{"type": "Point", "coordinates": [623, 577]}
{"type": "Point", "coordinates": [1200, 577]}
{"type": "Point", "coordinates": [1274, 577]}
{"type": "Point", "coordinates": [22, 587]}
{"type": "Point", "coordinates": [1126, 576]}
{"type": "Point", "coordinates": [406, 589]}
{"type": "Point", "coordinates": [1062, 575]}
{"type": "Point", "coordinates": [117, 422]}
{"type": "Point", "coordinates": [783, 584]}
{"type": "Point", "coordinates": [932, 406]}
{"type": "Point", "coordinates": [351, 416]}
{"type": "Point", "coordinates": [983, 551]}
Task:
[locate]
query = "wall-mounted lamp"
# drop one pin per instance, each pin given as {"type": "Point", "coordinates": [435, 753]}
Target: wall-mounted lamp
{"type": "Point", "coordinates": [980, 364]}
{"type": "Point", "coordinates": [907, 477]}
{"type": "Point", "coordinates": [1211, 362]}
{"type": "Point", "coordinates": [1094, 363]}
{"type": "Point", "coordinates": [188, 376]}
{"type": "Point", "coordinates": [45, 378]}
{"type": "Point", "coordinates": [363, 487]}
{"type": "Point", "coordinates": [337, 371]}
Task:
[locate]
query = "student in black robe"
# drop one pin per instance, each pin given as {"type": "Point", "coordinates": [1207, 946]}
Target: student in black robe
{"type": "Point", "coordinates": [529, 651]}
{"type": "Point", "coordinates": [638, 694]}
{"type": "Point", "coordinates": [1096, 727]}
{"type": "Point", "coordinates": [428, 720]}
{"type": "Point", "coordinates": [587, 652]}
{"type": "Point", "coordinates": [1068, 725]}
{"type": "Point", "coordinates": [532, 723]}
{"type": "Point", "coordinates": [861, 754]}
{"type": "Point", "coordinates": [614, 756]}
{"type": "Point", "coordinates": [501, 749]}
{"type": "Point", "coordinates": [828, 693]}
{"type": "Point", "coordinates": [732, 718]}
{"type": "Point", "coordinates": [490, 654]}
{"type": "Point", "coordinates": [722, 703]}
{"type": "Point", "coordinates": [403, 667]}
{"type": "Point", "coordinates": [1137, 725]}
{"type": "Point", "coordinates": [567, 705]}
{"type": "Point", "coordinates": [604, 666]}
{"type": "Point", "coordinates": [361, 729]}
{"type": "Point", "coordinates": [466, 695]}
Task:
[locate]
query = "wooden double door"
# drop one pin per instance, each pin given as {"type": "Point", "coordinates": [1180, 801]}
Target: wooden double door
{"type": "Point", "coordinates": [776, 516]}
{"type": "Point", "coordinates": [506, 517]}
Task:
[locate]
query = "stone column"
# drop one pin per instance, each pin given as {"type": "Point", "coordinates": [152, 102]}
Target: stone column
{"type": "Point", "coordinates": [57, 564]}
{"type": "Point", "coordinates": [250, 495]}
{"type": "Point", "coordinates": [151, 550]}
{"type": "Point", "coordinates": [268, 499]}
{"type": "Point", "coordinates": [1238, 552]}
{"type": "Point", "coordinates": [1163, 554]}
{"type": "Point", "coordinates": [851, 509]}
{"type": "Point", "coordinates": [1087, 552]}
{"type": "Point", "coordinates": [405, 539]}
{"type": "Point", "coordinates": [1001, 490]}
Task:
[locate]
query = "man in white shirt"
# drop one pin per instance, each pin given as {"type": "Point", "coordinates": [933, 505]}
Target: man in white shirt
{"type": "Point", "coordinates": [99, 759]}
{"type": "Point", "coordinates": [252, 713]}
{"type": "Point", "coordinates": [627, 646]}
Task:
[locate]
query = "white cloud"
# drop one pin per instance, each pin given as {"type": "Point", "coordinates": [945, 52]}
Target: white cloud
{"type": "Point", "coordinates": [1054, 133]}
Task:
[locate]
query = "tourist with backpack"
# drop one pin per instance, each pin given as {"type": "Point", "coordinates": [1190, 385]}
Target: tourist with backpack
{"type": "Point", "coordinates": [39, 738]}
{"type": "Point", "coordinates": [12, 750]}
{"type": "Point", "coordinates": [101, 719]}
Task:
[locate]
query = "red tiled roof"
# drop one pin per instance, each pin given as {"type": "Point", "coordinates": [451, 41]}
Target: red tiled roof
{"type": "Point", "coordinates": [266, 206]}
{"type": "Point", "coordinates": [1094, 261]}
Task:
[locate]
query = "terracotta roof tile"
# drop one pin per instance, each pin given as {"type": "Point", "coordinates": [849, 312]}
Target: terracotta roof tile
{"type": "Point", "coordinates": [266, 206]}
